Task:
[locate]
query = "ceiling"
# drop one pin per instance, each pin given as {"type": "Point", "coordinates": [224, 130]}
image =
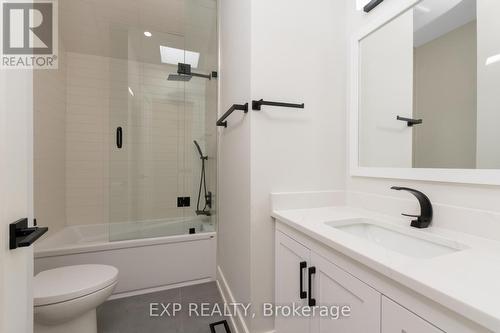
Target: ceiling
{"type": "Point", "coordinates": [115, 28]}
{"type": "Point", "coordinates": [434, 18]}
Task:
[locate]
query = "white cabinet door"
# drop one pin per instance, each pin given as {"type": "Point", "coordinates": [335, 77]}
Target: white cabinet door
{"type": "Point", "coordinates": [396, 319]}
{"type": "Point", "coordinates": [292, 261]}
{"type": "Point", "coordinates": [333, 287]}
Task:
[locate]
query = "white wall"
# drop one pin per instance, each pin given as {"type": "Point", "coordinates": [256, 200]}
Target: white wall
{"type": "Point", "coordinates": [473, 196]}
{"type": "Point", "coordinates": [88, 86]}
{"type": "Point", "coordinates": [49, 108]}
{"type": "Point", "coordinates": [298, 58]}
{"type": "Point", "coordinates": [234, 149]}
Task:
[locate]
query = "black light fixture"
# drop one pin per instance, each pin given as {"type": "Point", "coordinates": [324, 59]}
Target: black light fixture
{"type": "Point", "coordinates": [371, 5]}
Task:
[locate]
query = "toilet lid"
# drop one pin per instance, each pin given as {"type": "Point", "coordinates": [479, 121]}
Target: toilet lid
{"type": "Point", "coordinates": [70, 282]}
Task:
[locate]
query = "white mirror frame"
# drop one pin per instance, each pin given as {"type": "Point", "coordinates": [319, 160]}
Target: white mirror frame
{"type": "Point", "coordinates": [467, 176]}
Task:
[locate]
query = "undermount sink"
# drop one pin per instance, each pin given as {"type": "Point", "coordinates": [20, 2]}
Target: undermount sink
{"type": "Point", "coordinates": [402, 242]}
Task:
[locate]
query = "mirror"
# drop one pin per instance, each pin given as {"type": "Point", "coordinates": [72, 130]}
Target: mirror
{"type": "Point", "coordinates": [428, 92]}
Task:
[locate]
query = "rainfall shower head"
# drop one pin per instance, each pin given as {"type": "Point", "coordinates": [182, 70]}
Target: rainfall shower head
{"type": "Point", "coordinates": [179, 77]}
{"type": "Point", "coordinates": [184, 74]}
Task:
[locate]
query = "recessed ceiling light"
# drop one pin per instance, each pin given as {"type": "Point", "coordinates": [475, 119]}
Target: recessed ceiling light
{"type": "Point", "coordinates": [131, 92]}
{"type": "Point", "coordinates": [148, 34]}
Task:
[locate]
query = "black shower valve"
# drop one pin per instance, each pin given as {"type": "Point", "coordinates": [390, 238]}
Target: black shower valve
{"type": "Point", "coordinates": [183, 201]}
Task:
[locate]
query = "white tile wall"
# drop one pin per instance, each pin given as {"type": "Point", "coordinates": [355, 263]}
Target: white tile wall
{"type": "Point", "coordinates": [49, 98]}
{"type": "Point", "coordinates": [88, 87]}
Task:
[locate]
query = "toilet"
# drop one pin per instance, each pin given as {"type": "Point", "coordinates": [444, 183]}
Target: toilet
{"type": "Point", "coordinates": [66, 298]}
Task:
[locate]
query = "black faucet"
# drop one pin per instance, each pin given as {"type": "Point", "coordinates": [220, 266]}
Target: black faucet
{"type": "Point", "coordinates": [425, 218]}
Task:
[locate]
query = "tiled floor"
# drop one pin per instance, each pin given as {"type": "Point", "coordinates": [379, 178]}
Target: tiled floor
{"type": "Point", "coordinates": [131, 315]}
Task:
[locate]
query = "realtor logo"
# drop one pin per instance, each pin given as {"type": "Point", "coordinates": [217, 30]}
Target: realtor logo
{"type": "Point", "coordinates": [29, 34]}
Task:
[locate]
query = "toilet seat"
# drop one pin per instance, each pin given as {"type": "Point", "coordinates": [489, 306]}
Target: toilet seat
{"type": "Point", "coordinates": [70, 282]}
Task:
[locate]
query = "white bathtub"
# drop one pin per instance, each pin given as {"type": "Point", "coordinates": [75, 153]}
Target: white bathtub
{"type": "Point", "coordinates": [173, 258]}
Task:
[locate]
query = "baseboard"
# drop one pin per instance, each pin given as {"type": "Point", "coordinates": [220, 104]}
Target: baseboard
{"type": "Point", "coordinates": [157, 289]}
{"type": "Point", "coordinates": [239, 323]}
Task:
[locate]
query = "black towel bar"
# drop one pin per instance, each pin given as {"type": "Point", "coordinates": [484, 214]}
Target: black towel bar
{"type": "Point", "coordinates": [257, 105]}
{"type": "Point", "coordinates": [240, 107]}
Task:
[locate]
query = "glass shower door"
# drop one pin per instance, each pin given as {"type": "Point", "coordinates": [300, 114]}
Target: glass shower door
{"type": "Point", "coordinates": [157, 114]}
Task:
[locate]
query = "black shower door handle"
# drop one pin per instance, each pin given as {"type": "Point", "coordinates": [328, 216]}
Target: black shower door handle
{"type": "Point", "coordinates": [302, 292]}
{"type": "Point", "coordinates": [119, 137]}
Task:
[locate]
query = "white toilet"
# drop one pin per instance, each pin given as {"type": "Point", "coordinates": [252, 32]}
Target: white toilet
{"type": "Point", "coordinates": [66, 298]}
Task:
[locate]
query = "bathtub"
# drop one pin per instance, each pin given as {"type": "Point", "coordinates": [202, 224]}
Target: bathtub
{"type": "Point", "coordinates": [150, 255]}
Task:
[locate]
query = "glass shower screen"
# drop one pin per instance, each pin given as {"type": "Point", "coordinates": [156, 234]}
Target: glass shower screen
{"type": "Point", "coordinates": [155, 115]}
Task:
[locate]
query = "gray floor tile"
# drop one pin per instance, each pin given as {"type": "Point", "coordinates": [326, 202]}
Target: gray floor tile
{"type": "Point", "coordinates": [131, 314]}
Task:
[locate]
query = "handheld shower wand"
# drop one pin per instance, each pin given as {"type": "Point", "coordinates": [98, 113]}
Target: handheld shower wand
{"type": "Point", "coordinates": [203, 184]}
{"type": "Point", "coordinates": [199, 150]}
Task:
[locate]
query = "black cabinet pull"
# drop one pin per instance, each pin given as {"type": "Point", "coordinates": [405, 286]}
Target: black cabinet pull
{"type": "Point", "coordinates": [312, 271]}
{"type": "Point", "coordinates": [302, 292]}
{"type": "Point", "coordinates": [119, 137]}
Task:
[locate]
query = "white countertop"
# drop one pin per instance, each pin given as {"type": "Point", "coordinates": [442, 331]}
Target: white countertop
{"type": "Point", "coordinates": [467, 281]}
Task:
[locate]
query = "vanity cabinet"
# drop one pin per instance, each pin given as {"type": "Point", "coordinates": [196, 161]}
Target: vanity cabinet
{"type": "Point", "coordinates": [303, 276]}
{"type": "Point", "coordinates": [309, 274]}
{"type": "Point", "coordinates": [396, 319]}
